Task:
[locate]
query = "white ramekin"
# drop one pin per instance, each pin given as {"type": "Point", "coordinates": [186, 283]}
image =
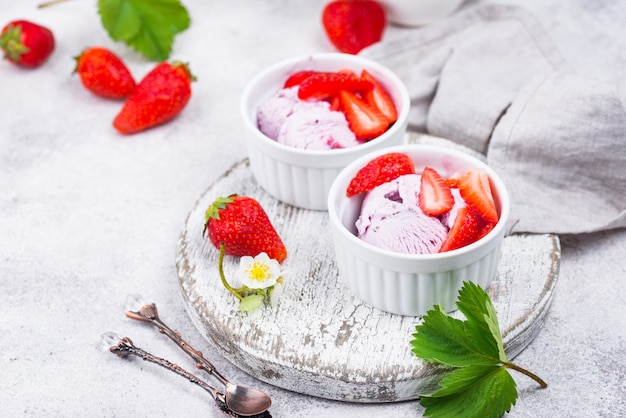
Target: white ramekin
{"type": "Point", "coordinates": [407, 284]}
{"type": "Point", "coordinates": [301, 177]}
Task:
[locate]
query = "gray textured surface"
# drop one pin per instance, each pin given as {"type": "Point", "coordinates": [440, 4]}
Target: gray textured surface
{"type": "Point", "coordinates": [88, 217]}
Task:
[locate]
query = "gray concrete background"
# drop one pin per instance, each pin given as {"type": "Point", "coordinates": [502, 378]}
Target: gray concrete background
{"type": "Point", "coordinates": [88, 217]}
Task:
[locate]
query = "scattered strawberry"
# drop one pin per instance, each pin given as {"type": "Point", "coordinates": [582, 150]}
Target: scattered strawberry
{"type": "Point", "coordinates": [380, 170]}
{"type": "Point", "coordinates": [435, 197]}
{"type": "Point", "coordinates": [160, 96]}
{"type": "Point", "coordinates": [321, 86]}
{"type": "Point", "coordinates": [476, 191]}
{"type": "Point", "coordinates": [104, 73]}
{"type": "Point", "coordinates": [26, 44]}
{"type": "Point", "coordinates": [453, 180]}
{"type": "Point", "coordinates": [379, 98]}
{"type": "Point", "coordinates": [365, 121]}
{"type": "Point", "coordinates": [352, 25]}
{"type": "Point", "coordinates": [241, 223]}
{"type": "Point", "coordinates": [464, 231]}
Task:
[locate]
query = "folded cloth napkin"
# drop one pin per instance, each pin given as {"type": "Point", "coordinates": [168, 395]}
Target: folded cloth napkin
{"type": "Point", "coordinates": [491, 79]}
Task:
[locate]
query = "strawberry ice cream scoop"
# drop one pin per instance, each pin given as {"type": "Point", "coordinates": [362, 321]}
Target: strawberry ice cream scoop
{"type": "Point", "coordinates": [392, 219]}
{"type": "Point", "coordinates": [303, 124]}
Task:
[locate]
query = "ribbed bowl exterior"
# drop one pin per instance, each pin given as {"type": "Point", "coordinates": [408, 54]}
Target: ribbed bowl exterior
{"type": "Point", "coordinates": [412, 293]}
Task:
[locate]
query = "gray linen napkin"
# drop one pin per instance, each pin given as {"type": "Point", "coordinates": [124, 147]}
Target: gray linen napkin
{"type": "Point", "coordinates": [491, 79]}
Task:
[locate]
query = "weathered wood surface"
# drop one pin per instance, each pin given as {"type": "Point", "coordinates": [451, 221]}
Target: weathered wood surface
{"type": "Point", "coordinates": [320, 340]}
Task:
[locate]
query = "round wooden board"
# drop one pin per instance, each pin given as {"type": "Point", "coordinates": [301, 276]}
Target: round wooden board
{"type": "Point", "coordinates": [321, 341]}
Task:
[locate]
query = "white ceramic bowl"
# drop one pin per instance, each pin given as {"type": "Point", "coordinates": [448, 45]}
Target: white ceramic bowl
{"type": "Point", "coordinates": [301, 177]}
{"type": "Point", "coordinates": [409, 284]}
{"type": "Point", "coordinates": [418, 12]}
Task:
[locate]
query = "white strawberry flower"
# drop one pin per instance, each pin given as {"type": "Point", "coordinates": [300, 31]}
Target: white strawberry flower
{"type": "Point", "coordinates": [259, 272]}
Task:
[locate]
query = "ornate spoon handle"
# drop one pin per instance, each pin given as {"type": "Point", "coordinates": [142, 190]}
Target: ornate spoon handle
{"type": "Point", "coordinates": [149, 313]}
{"type": "Point", "coordinates": [125, 347]}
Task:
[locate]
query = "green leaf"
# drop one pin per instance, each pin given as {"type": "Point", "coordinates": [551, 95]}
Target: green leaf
{"type": "Point", "coordinates": [148, 26]}
{"type": "Point", "coordinates": [443, 339]}
{"type": "Point", "coordinates": [473, 391]}
{"type": "Point", "coordinates": [251, 302]}
{"type": "Point", "coordinates": [480, 384]}
{"type": "Point", "coordinates": [482, 321]}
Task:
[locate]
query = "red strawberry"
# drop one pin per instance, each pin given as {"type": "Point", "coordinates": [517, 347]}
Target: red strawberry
{"type": "Point", "coordinates": [464, 231]}
{"type": "Point", "coordinates": [298, 77]}
{"type": "Point", "coordinates": [26, 43]}
{"type": "Point", "coordinates": [243, 226]}
{"type": "Point", "coordinates": [476, 191]}
{"type": "Point", "coordinates": [104, 73]}
{"type": "Point", "coordinates": [380, 170]}
{"type": "Point", "coordinates": [160, 96]}
{"type": "Point", "coordinates": [379, 97]}
{"type": "Point", "coordinates": [321, 86]}
{"type": "Point", "coordinates": [453, 181]}
{"type": "Point", "coordinates": [435, 197]}
{"type": "Point", "coordinates": [352, 25]}
{"type": "Point", "coordinates": [365, 121]}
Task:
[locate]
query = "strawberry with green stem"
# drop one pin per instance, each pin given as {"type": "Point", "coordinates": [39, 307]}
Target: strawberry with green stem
{"type": "Point", "coordinates": [104, 73]}
{"type": "Point", "coordinates": [26, 44]}
{"type": "Point", "coordinates": [241, 224]}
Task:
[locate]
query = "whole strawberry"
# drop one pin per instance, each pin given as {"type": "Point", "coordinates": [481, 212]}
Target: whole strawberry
{"type": "Point", "coordinates": [160, 96]}
{"type": "Point", "coordinates": [26, 44]}
{"type": "Point", "coordinates": [104, 73]}
{"type": "Point", "coordinates": [241, 224]}
{"type": "Point", "coordinates": [352, 25]}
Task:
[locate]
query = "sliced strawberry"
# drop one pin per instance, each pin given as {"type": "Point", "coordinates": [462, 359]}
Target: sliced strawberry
{"type": "Point", "coordinates": [322, 86]}
{"type": "Point", "coordinates": [435, 197]}
{"type": "Point", "coordinates": [297, 78]}
{"type": "Point", "coordinates": [485, 228]}
{"type": "Point", "coordinates": [464, 231]}
{"type": "Point", "coordinates": [365, 121]}
{"type": "Point", "coordinates": [453, 181]}
{"type": "Point", "coordinates": [379, 97]}
{"type": "Point", "coordinates": [380, 170]}
{"type": "Point", "coordinates": [335, 104]}
{"type": "Point", "coordinates": [476, 191]}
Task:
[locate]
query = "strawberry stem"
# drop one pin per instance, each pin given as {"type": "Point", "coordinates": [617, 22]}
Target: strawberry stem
{"type": "Point", "coordinates": [50, 3]}
{"type": "Point", "coordinates": [527, 373]}
{"type": "Point", "coordinates": [220, 267]}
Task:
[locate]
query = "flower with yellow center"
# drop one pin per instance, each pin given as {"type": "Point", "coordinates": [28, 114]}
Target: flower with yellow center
{"type": "Point", "coordinates": [259, 272]}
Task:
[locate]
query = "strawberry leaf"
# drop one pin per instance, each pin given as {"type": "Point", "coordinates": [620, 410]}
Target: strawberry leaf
{"type": "Point", "coordinates": [473, 391]}
{"type": "Point", "coordinates": [148, 26]}
{"type": "Point", "coordinates": [479, 384]}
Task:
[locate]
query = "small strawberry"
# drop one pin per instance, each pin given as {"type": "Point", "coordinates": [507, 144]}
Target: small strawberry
{"type": "Point", "coordinates": [352, 25]}
{"type": "Point", "coordinates": [241, 224]}
{"type": "Point", "coordinates": [104, 73]}
{"type": "Point", "coordinates": [435, 197]}
{"type": "Point", "coordinates": [26, 44]}
{"type": "Point", "coordinates": [464, 231]}
{"type": "Point", "coordinates": [476, 191]}
{"type": "Point", "coordinates": [365, 121]}
{"type": "Point", "coordinates": [379, 98]}
{"type": "Point", "coordinates": [321, 86]}
{"type": "Point", "coordinates": [380, 170]}
{"type": "Point", "coordinates": [160, 96]}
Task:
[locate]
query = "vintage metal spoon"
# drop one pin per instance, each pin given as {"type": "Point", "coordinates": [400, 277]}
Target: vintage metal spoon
{"type": "Point", "coordinates": [125, 347]}
{"type": "Point", "coordinates": [243, 400]}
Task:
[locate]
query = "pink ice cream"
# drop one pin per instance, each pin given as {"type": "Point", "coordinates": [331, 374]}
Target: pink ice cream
{"type": "Point", "coordinates": [302, 124]}
{"type": "Point", "coordinates": [392, 219]}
